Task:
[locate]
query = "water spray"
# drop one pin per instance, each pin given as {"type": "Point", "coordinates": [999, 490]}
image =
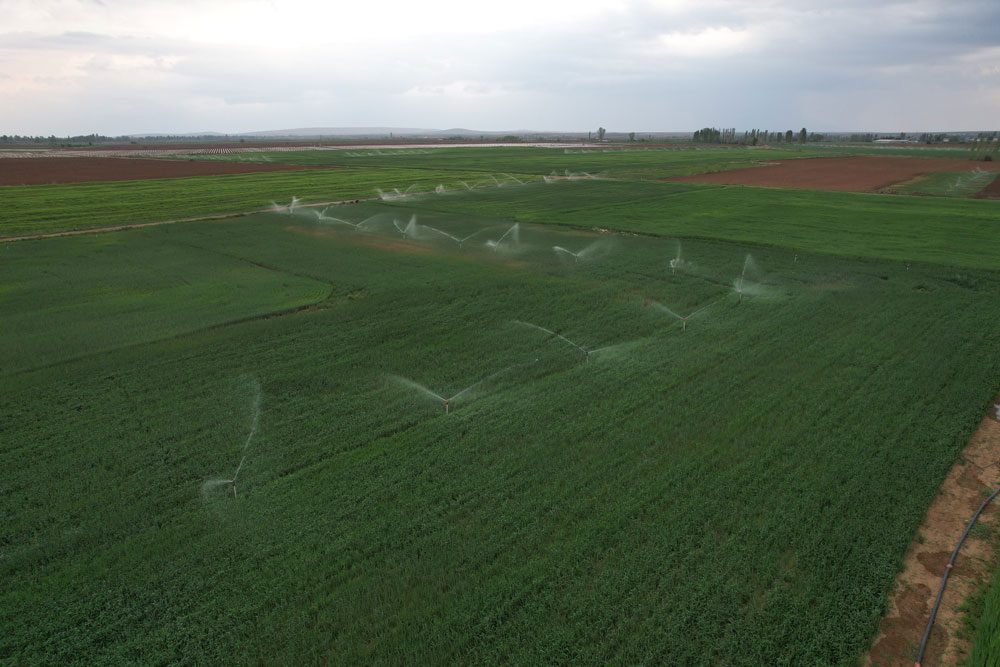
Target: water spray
{"type": "Point", "coordinates": [459, 240]}
{"type": "Point", "coordinates": [583, 350]}
{"type": "Point", "coordinates": [576, 255]}
{"type": "Point", "coordinates": [580, 254]}
{"type": "Point", "coordinates": [444, 233]}
{"type": "Point", "coordinates": [447, 401]}
{"type": "Point", "coordinates": [255, 421]}
{"type": "Point", "coordinates": [739, 283]}
{"type": "Point", "coordinates": [280, 208]}
{"type": "Point", "coordinates": [410, 229]}
{"type": "Point", "coordinates": [237, 474]}
{"type": "Point", "coordinates": [515, 228]}
{"type": "Point", "coordinates": [683, 318]}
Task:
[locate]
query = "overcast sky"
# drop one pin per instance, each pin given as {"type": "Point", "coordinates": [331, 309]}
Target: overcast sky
{"type": "Point", "coordinates": [117, 67]}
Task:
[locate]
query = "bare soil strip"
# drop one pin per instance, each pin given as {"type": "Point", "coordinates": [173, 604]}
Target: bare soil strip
{"type": "Point", "coordinates": [976, 474]}
{"type": "Point", "coordinates": [51, 170]}
{"type": "Point", "coordinates": [861, 173]}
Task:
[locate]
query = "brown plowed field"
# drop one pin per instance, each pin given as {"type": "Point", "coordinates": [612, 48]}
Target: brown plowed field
{"type": "Point", "coordinates": [861, 173]}
{"type": "Point", "coordinates": [45, 170]}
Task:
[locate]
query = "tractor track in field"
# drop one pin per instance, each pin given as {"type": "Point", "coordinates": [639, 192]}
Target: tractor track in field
{"type": "Point", "coordinates": [900, 631]}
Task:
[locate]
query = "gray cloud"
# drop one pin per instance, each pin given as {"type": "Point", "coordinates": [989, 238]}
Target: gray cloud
{"type": "Point", "coordinates": [856, 65]}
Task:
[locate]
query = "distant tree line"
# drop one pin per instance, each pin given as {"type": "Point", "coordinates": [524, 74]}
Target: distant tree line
{"type": "Point", "coordinates": [88, 139]}
{"type": "Point", "coordinates": [985, 147]}
{"type": "Point", "coordinates": [52, 139]}
{"type": "Point", "coordinates": [713, 135]}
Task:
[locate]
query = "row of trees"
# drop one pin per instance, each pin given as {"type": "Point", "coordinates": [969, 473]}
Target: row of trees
{"type": "Point", "coordinates": [713, 135]}
{"type": "Point", "coordinates": [52, 139]}
{"type": "Point", "coordinates": [985, 148]}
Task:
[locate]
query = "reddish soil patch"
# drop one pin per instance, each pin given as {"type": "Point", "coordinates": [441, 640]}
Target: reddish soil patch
{"type": "Point", "coordinates": [861, 173]}
{"type": "Point", "coordinates": [46, 170]}
{"type": "Point", "coordinates": [917, 585]}
{"type": "Point", "coordinates": [991, 191]}
{"type": "Point", "coordinates": [370, 240]}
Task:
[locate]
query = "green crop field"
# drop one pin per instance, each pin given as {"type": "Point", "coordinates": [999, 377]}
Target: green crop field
{"type": "Point", "coordinates": [986, 644]}
{"type": "Point", "coordinates": [40, 209]}
{"type": "Point", "coordinates": [947, 184]}
{"type": "Point", "coordinates": [525, 160]}
{"type": "Point", "coordinates": [576, 422]}
{"type": "Point", "coordinates": [959, 233]}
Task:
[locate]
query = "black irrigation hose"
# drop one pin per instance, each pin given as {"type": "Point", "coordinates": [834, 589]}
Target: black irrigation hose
{"type": "Point", "coordinates": [944, 579]}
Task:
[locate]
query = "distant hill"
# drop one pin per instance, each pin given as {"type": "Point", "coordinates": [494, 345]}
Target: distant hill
{"type": "Point", "coordinates": [374, 132]}
{"type": "Point", "coordinates": [339, 132]}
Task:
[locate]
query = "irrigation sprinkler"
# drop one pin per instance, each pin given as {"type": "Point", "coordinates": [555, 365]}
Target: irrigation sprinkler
{"type": "Point", "coordinates": [410, 229]}
{"type": "Point", "coordinates": [459, 240]}
{"type": "Point", "coordinates": [283, 208]}
{"type": "Point", "coordinates": [255, 421]}
{"type": "Point", "coordinates": [575, 255]}
{"type": "Point", "coordinates": [581, 254]}
{"type": "Point", "coordinates": [683, 318]}
{"type": "Point", "coordinates": [321, 216]}
{"type": "Point", "coordinates": [515, 228]}
{"type": "Point", "coordinates": [395, 194]}
{"type": "Point", "coordinates": [237, 474]}
{"type": "Point", "coordinates": [406, 382]}
{"type": "Point", "coordinates": [738, 283]}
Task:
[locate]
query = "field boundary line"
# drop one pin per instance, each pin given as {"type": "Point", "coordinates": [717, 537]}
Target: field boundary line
{"type": "Point", "coordinates": [214, 216]}
{"type": "Point", "coordinates": [138, 225]}
{"type": "Point", "coordinates": [312, 307]}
